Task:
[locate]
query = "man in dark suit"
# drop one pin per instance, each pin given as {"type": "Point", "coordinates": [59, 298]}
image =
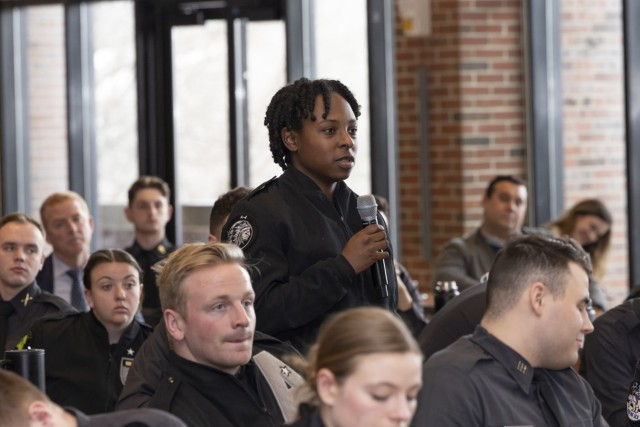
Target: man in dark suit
{"type": "Point", "coordinates": [69, 227]}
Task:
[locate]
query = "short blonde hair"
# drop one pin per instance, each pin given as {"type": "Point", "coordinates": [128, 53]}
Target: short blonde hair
{"type": "Point", "coordinates": [174, 269]}
{"type": "Point", "coordinates": [16, 394]}
{"type": "Point", "coordinates": [57, 198]}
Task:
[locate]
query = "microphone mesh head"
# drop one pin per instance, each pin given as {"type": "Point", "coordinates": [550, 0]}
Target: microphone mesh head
{"type": "Point", "coordinates": [367, 207]}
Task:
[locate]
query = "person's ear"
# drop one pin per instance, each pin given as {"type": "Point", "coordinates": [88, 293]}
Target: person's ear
{"type": "Point", "coordinates": [327, 387]}
{"type": "Point", "coordinates": [42, 258]}
{"type": "Point", "coordinates": [289, 139]}
{"type": "Point", "coordinates": [175, 324]}
{"type": "Point", "coordinates": [47, 236]}
{"type": "Point", "coordinates": [128, 214]}
{"type": "Point", "coordinates": [89, 297]}
{"type": "Point", "coordinates": [39, 414]}
{"type": "Point", "coordinates": [538, 295]}
{"type": "Point", "coordinates": [485, 201]}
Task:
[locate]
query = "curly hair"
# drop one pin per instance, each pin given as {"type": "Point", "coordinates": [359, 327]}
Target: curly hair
{"type": "Point", "coordinates": [295, 102]}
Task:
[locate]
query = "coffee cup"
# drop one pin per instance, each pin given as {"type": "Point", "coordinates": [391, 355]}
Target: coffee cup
{"type": "Point", "coordinates": [29, 364]}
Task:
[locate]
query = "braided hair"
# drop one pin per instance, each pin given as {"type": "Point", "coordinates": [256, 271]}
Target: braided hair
{"type": "Point", "coordinates": [295, 102]}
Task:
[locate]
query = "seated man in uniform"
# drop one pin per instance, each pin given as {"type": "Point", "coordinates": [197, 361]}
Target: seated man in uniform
{"type": "Point", "coordinates": [23, 404]}
{"type": "Point", "coordinates": [22, 302]}
{"type": "Point", "coordinates": [213, 375]}
{"type": "Point", "coordinates": [516, 367]}
{"type": "Point", "coordinates": [465, 259]}
{"type": "Point", "coordinates": [149, 211]}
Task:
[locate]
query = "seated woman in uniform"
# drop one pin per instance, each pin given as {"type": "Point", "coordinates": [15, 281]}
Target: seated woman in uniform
{"type": "Point", "coordinates": [589, 223]}
{"type": "Point", "coordinates": [365, 370]}
{"type": "Point", "coordinates": [88, 355]}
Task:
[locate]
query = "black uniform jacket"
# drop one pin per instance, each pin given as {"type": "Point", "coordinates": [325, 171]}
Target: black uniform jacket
{"type": "Point", "coordinates": [153, 360]}
{"type": "Point", "coordinates": [28, 306]}
{"type": "Point", "coordinates": [308, 417]}
{"type": "Point", "coordinates": [147, 258]}
{"type": "Point", "coordinates": [294, 236]}
{"type": "Point", "coordinates": [82, 369]}
{"type": "Point", "coordinates": [203, 396]}
{"type": "Point", "coordinates": [609, 358]}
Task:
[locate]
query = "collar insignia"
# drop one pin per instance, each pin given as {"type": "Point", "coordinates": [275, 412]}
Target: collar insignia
{"type": "Point", "coordinates": [522, 367]}
{"type": "Point", "coordinates": [285, 370]}
{"type": "Point", "coordinates": [26, 300]}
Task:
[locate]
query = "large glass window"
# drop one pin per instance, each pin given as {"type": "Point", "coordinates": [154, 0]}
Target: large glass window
{"type": "Point", "coordinates": [341, 49]}
{"type": "Point", "coordinates": [116, 116]}
{"type": "Point", "coordinates": [47, 103]}
{"type": "Point", "coordinates": [266, 73]}
{"type": "Point", "coordinates": [201, 118]}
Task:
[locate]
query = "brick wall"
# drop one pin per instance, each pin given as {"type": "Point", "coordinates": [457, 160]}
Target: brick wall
{"type": "Point", "coordinates": [477, 114]}
{"type": "Point", "coordinates": [473, 57]}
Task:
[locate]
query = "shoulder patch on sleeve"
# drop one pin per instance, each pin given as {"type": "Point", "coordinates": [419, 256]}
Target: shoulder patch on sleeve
{"type": "Point", "coordinates": [241, 231]}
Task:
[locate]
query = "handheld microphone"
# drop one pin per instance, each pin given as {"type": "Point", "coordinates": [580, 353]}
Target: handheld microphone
{"type": "Point", "coordinates": [368, 210]}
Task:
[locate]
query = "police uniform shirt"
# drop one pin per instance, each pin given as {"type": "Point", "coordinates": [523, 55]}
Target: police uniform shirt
{"type": "Point", "coordinates": [28, 306]}
{"type": "Point", "coordinates": [609, 358]}
{"type": "Point", "coordinates": [82, 369]}
{"type": "Point", "coordinates": [294, 235]}
{"type": "Point", "coordinates": [457, 318]}
{"type": "Point", "coordinates": [146, 259]}
{"type": "Point", "coordinates": [480, 381]}
{"type": "Point", "coordinates": [207, 397]}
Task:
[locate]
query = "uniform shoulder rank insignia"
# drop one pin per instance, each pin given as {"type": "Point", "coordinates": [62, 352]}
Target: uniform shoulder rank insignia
{"type": "Point", "coordinates": [285, 371]}
{"type": "Point", "coordinates": [261, 187]}
{"type": "Point", "coordinates": [241, 233]}
{"type": "Point", "coordinates": [125, 365]}
{"type": "Point", "coordinates": [522, 367]}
